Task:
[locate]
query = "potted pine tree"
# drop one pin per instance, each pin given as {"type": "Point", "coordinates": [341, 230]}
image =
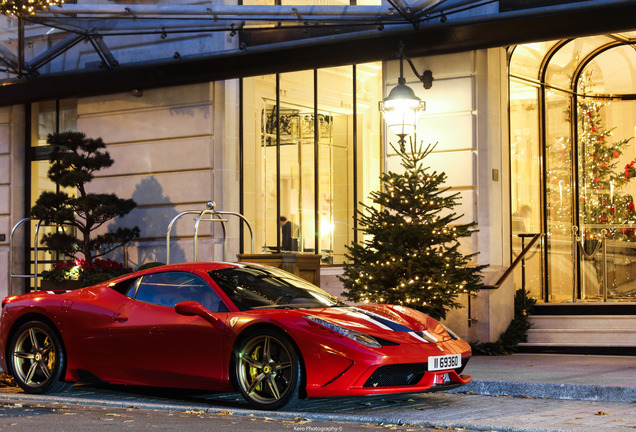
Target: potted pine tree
{"type": "Point", "coordinates": [410, 255]}
{"type": "Point", "coordinates": [74, 160]}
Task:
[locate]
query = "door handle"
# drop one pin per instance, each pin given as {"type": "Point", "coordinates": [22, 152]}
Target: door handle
{"type": "Point", "coordinates": [120, 318]}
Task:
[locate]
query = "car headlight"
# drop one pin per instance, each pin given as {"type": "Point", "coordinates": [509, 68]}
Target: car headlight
{"type": "Point", "coordinates": [361, 338]}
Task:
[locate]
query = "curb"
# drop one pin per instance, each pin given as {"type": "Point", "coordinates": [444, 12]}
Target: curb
{"type": "Point", "coordinates": [581, 392]}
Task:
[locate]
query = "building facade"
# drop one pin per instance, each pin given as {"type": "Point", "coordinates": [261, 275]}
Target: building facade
{"type": "Point", "coordinates": [501, 112]}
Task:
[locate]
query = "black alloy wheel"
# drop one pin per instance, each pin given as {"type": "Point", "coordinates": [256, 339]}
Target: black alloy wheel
{"type": "Point", "coordinates": [267, 370]}
{"type": "Point", "coordinates": [37, 359]}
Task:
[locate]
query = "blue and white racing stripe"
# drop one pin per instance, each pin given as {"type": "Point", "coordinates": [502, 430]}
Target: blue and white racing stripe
{"type": "Point", "coordinates": [388, 324]}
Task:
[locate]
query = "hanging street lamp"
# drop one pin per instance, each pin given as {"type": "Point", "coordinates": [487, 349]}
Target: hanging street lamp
{"type": "Point", "coordinates": [401, 107]}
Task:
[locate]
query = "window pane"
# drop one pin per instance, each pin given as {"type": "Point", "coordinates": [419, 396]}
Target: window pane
{"type": "Point", "coordinates": [561, 68]}
{"type": "Point", "coordinates": [559, 196]}
{"type": "Point", "coordinates": [526, 59]}
{"type": "Point", "coordinates": [335, 104]}
{"type": "Point", "coordinates": [525, 188]}
{"type": "Point", "coordinates": [369, 145]}
{"type": "Point", "coordinates": [48, 119]}
{"type": "Point", "coordinates": [297, 173]}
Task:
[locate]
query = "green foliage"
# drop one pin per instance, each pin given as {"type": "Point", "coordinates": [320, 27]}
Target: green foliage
{"type": "Point", "coordinates": [516, 333]}
{"type": "Point", "coordinates": [26, 7]}
{"type": "Point", "coordinates": [411, 255]}
{"type": "Point", "coordinates": [89, 273]}
{"type": "Point", "coordinates": [74, 160]}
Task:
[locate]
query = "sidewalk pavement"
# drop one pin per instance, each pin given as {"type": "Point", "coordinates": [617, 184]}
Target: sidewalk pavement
{"type": "Point", "coordinates": [554, 376]}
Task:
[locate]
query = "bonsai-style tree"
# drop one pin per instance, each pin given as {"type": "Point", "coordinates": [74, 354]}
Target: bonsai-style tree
{"type": "Point", "coordinates": [74, 160]}
{"type": "Point", "coordinates": [411, 253]}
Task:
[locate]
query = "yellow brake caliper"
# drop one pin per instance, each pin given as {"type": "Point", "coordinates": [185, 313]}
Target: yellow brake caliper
{"type": "Point", "coordinates": [254, 370]}
{"type": "Point", "coordinates": [51, 359]}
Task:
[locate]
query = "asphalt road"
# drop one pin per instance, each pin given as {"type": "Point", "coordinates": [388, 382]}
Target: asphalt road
{"type": "Point", "coordinates": [23, 416]}
{"type": "Point", "coordinates": [90, 408]}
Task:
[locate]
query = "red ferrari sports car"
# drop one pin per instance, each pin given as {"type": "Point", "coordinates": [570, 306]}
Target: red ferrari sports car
{"type": "Point", "coordinates": [224, 327]}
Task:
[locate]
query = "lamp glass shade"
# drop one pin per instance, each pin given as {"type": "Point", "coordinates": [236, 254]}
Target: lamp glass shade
{"type": "Point", "coordinates": [400, 110]}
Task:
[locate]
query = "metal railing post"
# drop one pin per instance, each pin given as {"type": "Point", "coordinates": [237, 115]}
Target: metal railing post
{"type": "Point", "coordinates": [215, 216]}
{"type": "Point", "coordinates": [604, 240]}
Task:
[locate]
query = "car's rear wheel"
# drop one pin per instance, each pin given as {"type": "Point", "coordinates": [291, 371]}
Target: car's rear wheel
{"type": "Point", "coordinates": [37, 359]}
{"type": "Point", "coordinates": [267, 370]}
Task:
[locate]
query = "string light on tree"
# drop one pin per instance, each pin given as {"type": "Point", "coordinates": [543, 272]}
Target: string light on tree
{"type": "Point", "coordinates": [27, 7]}
{"type": "Point", "coordinates": [605, 202]}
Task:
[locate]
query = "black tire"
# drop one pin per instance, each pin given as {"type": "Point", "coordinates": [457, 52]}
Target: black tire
{"type": "Point", "coordinates": [267, 370]}
{"type": "Point", "coordinates": [37, 359]}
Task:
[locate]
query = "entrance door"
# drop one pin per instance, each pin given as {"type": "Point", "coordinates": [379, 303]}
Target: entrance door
{"type": "Point", "coordinates": [607, 258]}
{"type": "Point", "coordinates": [590, 190]}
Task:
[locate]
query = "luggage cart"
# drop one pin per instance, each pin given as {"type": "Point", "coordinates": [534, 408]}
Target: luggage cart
{"type": "Point", "coordinates": [214, 216]}
{"type": "Point", "coordinates": [36, 236]}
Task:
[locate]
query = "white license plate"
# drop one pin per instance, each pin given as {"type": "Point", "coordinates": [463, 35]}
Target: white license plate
{"type": "Point", "coordinates": [444, 362]}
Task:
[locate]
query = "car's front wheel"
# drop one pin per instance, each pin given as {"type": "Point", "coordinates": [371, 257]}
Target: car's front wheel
{"type": "Point", "coordinates": [267, 370]}
{"type": "Point", "coordinates": [37, 359]}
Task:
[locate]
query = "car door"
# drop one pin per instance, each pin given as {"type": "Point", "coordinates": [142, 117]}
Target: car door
{"type": "Point", "coordinates": [157, 346]}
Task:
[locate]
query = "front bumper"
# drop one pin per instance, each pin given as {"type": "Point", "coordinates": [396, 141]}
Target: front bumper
{"type": "Point", "coordinates": [403, 369]}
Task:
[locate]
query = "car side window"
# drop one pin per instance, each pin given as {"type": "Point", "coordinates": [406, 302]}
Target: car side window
{"type": "Point", "coordinates": [127, 287]}
{"type": "Point", "coordinates": [169, 288]}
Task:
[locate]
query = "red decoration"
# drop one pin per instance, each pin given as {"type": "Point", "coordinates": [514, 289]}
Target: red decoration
{"type": "Point", "coordinates": [616, 155]}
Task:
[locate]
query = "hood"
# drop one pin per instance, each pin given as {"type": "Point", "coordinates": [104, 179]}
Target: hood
{"type": "Point", "coordinates": [396, 323]}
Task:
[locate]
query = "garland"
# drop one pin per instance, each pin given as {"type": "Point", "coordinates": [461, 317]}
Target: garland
{"type": "Point", "coordinates": [516, 333]}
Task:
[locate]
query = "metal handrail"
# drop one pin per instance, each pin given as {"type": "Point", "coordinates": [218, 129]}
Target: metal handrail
{"type": "Point", "coordinates": [519, 259]}
{"type": "Point", "coordinates": [215, 216]}
{"type": "Point", "coordinates": [515, 263]}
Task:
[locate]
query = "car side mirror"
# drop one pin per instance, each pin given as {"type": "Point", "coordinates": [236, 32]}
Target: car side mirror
{"type": "Point", "coordinates": [192, 308]}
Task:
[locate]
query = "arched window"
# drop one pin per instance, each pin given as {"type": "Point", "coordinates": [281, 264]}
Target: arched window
{"type": "Point", "coordinates": [572, 127]}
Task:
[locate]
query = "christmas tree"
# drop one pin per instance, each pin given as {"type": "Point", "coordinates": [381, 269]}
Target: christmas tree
{"type": "Point", "coordinates": [559, 187]}
{"type": "Point", "coordinates": [411, 253]}
{"type": "Point", "coordinates": [603, 199]}
{"type": "Point", "coordinates": [74, 160]}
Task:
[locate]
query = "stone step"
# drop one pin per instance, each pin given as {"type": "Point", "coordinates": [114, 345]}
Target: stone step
{"type": "Point", "coordinates": [591, 322]}
{"type": "Point", "coordinates": [583, 337]}
{"type": "Point", "coordinates": [579, 330]}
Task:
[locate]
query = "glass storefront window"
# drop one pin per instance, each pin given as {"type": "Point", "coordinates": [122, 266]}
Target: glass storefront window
{"type": "Point", "coordinates": [317, 156]}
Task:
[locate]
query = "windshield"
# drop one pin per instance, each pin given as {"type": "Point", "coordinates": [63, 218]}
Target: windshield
{"type": "Point", "coordinates": [253, 287]}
